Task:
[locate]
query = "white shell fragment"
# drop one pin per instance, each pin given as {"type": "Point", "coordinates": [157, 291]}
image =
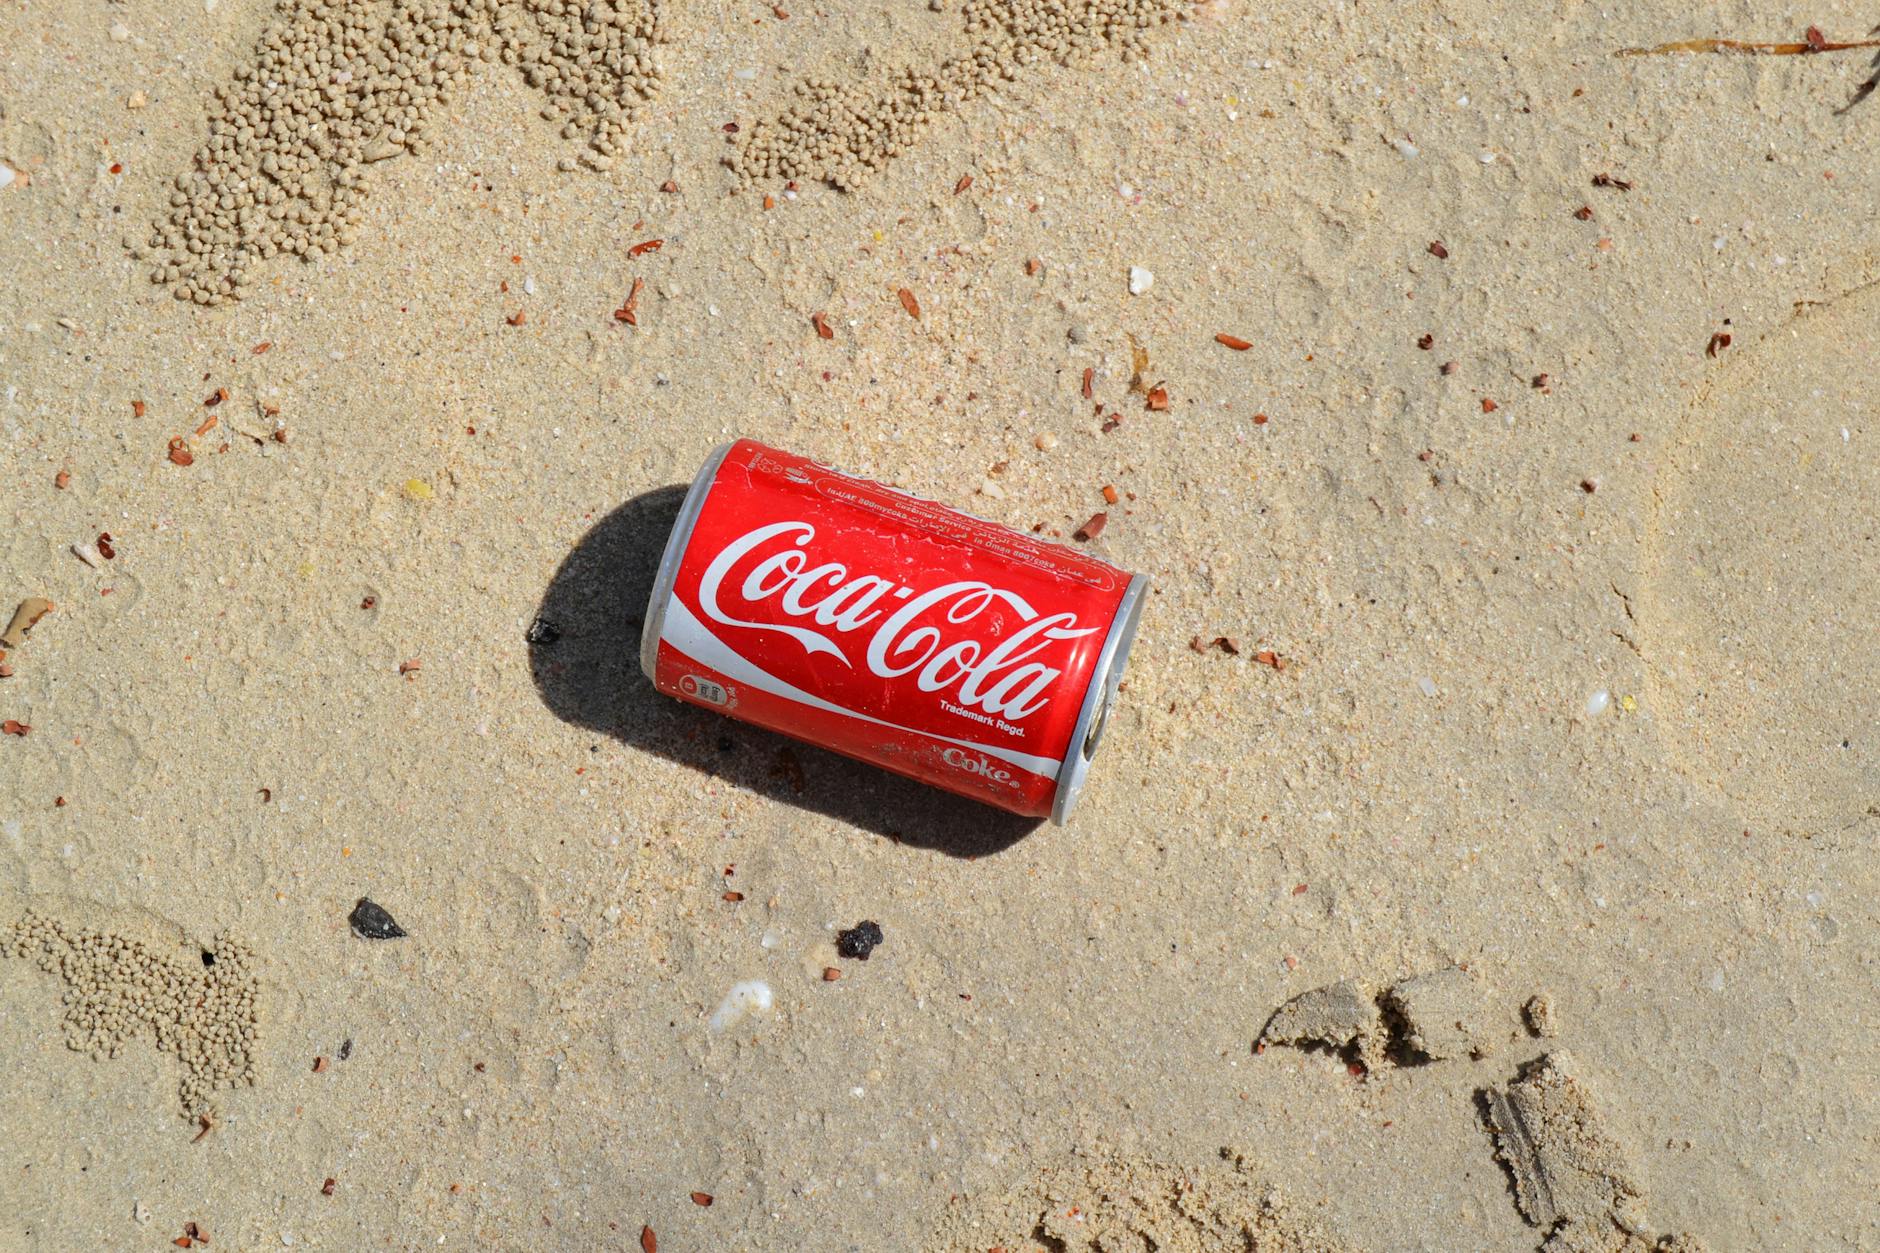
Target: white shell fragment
{"type": "Point", "coordinates": [1140, 280]}
{"type": "Point", "coordinates": [1597, 702]}
{"type": "Point", "coordinates": [751, 996]}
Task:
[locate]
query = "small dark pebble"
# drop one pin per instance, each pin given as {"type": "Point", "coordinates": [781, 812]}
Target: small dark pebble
{"type": "Point", "coordinates": [859, 940]}
{"type": "Point", "coordinates": [345, 1049]}
{"type": "Point", "coordinates": [542, 631]}
{"type": "Point", "coordinates": [371, 922]}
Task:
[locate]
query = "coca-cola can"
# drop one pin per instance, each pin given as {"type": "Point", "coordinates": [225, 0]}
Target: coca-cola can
{"type": "Point", "coordinates": [889, 628]}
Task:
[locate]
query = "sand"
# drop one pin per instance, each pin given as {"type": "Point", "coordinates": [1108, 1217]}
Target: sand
{"type": "Point", "coordinates": [1576, 619]}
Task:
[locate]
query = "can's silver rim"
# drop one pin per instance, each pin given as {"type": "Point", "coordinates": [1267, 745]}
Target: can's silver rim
{"type": "Point", "coordinates": [676, 545]}
{"type": "Point", "coordinates": [1095, 714]}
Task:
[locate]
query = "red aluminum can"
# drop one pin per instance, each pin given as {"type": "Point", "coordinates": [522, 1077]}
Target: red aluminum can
{"type": "Point", "coordinates": [890, 629]}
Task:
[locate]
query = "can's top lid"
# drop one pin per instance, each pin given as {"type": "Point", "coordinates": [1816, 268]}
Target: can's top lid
{"type": "Point", "coordinates": [1095, 714]}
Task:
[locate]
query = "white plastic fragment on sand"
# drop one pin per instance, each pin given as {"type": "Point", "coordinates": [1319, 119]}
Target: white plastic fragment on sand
{"type": "Point", "coordinates": [1426, 685]}
{"type": "Point", "coordinates": [1597, 702]}
{"type": "Point", "coordinates": [751, 996]}
{"type": "Point", "coordinates": [1405, 148]}
{"type": "Point", "coordinates": [1140, 280]}
{"type": "Point", "coordinates": [6, 174]}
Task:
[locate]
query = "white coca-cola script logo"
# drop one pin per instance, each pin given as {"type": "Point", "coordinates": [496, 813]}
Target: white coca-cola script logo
{"type": "Point", "coordinates": [1001, 680]}
{"type": "Point", "coordinates": [973, 763]}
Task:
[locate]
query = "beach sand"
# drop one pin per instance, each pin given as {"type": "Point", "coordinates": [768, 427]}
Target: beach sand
{"type": "Point", "coordinates": [1549, 473]}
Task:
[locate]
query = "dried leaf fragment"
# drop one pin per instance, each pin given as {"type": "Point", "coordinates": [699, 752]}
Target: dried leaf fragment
{"type": "Point", "coordinates": [630, 310]}
{"type": "Point", "coordinates": [821, 323]}
{"type": "Point", "coordinates": [30, 611]}
{"type": "Point", "coordinates": [1138, 366]}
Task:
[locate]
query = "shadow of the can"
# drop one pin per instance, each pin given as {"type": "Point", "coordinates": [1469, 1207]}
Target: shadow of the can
{"type": "Point", "coordinates": [584, 655]}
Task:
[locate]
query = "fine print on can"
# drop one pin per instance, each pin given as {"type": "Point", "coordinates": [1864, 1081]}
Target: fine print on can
{"type": "Point", "coordinates": [889, 628]}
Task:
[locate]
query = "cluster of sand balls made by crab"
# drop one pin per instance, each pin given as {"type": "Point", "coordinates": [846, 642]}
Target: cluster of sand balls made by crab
{"type": "Point", "coordinates": [117, 990]}
{"type": "Point", "coordinates": [844, 133]}
{"type": "Point", "coordinates": [337, 85]}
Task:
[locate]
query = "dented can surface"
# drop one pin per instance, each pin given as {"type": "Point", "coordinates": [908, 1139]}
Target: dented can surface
{"type": "Point", "coordinates": [890, 629]}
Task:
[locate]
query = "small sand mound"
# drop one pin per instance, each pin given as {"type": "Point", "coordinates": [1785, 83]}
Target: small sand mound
{"type": "Point", "coordinates": [335, 86]}
{"type": "Point", "coordinates": [119, 989]}
{"type": "Point", "coordinates": [1098, 1205]}
{"type": "Point", "coordinates": [1571, 1175]}
{"type": "Point", "coordinates": [841, 133]}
